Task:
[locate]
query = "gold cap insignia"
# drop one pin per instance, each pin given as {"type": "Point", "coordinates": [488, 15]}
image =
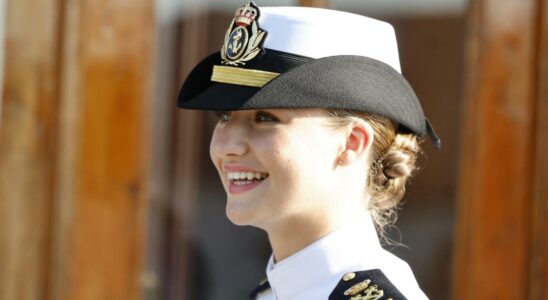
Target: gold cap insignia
{"type": "Point", "coordinates": [244, 38]}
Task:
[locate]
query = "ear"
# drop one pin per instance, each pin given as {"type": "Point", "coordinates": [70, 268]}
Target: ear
{"type": "Point", "coordinates": [359, 138]}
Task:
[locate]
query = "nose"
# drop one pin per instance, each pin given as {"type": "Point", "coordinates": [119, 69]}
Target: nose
{"type": "Point", "coordinates": [229, 141]}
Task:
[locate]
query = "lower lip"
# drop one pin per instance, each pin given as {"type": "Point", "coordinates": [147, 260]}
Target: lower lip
{"type": "Point", "coordinates": [237, 189]}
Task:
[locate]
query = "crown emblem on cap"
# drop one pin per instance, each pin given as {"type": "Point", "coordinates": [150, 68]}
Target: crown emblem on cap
{"type": "Point", "coordinates": [245, 15]}
{"type": "Point", "coordinates": [243, 39]}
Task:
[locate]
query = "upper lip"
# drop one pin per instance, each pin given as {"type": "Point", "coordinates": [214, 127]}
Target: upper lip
{"type": "Point", "coordinates": [238, 168]}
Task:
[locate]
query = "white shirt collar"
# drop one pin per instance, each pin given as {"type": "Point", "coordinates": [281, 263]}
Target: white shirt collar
{"type": "Point", "coordinates": [329, 255]}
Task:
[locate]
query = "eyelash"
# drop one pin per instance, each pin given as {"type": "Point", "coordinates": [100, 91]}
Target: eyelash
{"type": "Point", "coordinates": [260, 116]}
{"type": "Point", "coordinates": [223, 116]}
{"type": "Point", "coordinates": [270, 118]}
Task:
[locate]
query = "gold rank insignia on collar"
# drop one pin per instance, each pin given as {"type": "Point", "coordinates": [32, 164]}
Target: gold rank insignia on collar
{"type": "Point", "coordinates": [364, 291]}
{"type": "Point", "coordinates": [365, 285]}
{"type": "Point", "coordinates": [244, 38]}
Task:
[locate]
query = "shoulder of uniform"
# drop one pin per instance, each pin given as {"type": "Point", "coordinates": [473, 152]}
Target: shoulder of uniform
{"type": "Point", "coordinates": [263, 286]}
{"type": "Point", "coordinates": [362, 285]}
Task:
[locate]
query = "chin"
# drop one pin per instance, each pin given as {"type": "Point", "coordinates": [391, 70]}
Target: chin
{"type": "Point", "coordinates": [240, 213]}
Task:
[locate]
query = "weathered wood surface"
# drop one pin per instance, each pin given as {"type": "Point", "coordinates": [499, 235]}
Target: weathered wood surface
{"type": "Point", "coordinates": [28, 124]}
{"type": "Point", "coordinates": [497, 152]}
{"type": "Point", "coordinates": [111, 75]}
{"type": "Point", "coordinates": [74, 148]}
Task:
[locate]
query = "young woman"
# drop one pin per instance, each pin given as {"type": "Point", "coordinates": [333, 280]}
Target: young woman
{"type": "Point", "coordinates": [318, 133]}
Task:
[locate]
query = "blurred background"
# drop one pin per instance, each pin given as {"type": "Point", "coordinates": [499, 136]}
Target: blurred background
{"type": "Point", "coordinates": [107, 191]}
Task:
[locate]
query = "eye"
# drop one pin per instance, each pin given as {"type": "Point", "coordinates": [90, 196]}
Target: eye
{"type": "Point", "coordinates": [264, 117]}
{"type": "Point", "coordinates": [224, 116]}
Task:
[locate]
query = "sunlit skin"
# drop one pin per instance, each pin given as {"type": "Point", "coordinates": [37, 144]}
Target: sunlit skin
{"type": "Point", "coordinates": [315, 173]}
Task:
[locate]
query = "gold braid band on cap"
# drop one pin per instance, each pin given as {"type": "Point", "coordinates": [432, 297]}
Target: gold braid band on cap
{"type": "Point", "coordinates": [248, 77]}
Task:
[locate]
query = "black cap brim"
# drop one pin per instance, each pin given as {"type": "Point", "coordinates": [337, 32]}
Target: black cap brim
{"type": "Point", "coordinates": [336, 82]}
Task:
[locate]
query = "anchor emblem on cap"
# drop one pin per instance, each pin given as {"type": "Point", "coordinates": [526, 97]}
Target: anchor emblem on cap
{"type": "Point", "coordinates": [244, 38]}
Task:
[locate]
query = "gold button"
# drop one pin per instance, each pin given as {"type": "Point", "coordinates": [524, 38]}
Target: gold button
{"type": "Point", "coordinates": [349, 276]}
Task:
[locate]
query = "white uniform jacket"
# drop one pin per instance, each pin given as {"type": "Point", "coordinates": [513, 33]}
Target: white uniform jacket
{"type": "Point", "coordinates": [348, 263]}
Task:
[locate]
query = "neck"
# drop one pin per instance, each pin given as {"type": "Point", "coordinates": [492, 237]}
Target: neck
{"type": "Point", "coordinates": [294, 235]}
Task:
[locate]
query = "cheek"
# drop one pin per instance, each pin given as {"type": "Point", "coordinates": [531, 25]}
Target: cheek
{"type": "Point", "coordinates": [296, 158]}
{"type": "Point", "coordinates": [314, 157]}
{"type": "Point", "coordinates": [276, 153]}
{"type": "Point", "coordinates": [313, 152]}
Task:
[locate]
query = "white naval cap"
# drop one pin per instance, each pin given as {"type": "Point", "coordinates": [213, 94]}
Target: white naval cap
{"type": "Point", "coordinates": [302, 57]}
{"type": "Point", "coordinates": [317, 33]}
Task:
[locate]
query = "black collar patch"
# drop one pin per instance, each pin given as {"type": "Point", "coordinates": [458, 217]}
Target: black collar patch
{"type": "Point", "coordinates": [244, 38]}
{"type": "Point", "coordinates": [366, 285]}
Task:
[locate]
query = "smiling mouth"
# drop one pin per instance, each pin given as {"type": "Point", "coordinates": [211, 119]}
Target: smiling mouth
{"type": "Point", "coordinates": [244, 178]}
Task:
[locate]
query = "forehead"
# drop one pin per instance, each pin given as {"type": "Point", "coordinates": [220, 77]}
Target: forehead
{"type": "Point", "coordinates": [289, 112]}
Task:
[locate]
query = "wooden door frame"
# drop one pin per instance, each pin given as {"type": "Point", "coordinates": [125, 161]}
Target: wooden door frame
{"type": "Point", "coordinates": [501, 232]}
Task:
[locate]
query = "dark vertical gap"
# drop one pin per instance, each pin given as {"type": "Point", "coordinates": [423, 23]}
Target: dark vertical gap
{"type": "Point", "coordinates": [53, 153]}
{"type": "Point", "coordinates": [536, 275]}
{"type": "Point", "coordinates": [471, 57]}
{"type": "Point", "coordinates": [178, 247]}
{"type": "Point", "coordinates": [168, 262]}
{"type": "Point", "coordinates": [168, 218]}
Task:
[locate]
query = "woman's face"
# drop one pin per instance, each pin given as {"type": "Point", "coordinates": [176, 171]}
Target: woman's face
{"type": "Point", "coordinates": [276, 165]}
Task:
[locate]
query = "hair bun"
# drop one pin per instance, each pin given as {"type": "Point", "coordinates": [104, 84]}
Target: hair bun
{"type": "Point", "coordinates": [400, 158]}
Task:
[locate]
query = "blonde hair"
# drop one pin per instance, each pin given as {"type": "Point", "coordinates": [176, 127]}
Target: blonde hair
{"type": "Point", "coordinates": [393, 161]}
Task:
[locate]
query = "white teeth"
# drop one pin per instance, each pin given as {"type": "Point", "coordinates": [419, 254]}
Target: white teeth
{"type": "Point", "coordinates": [242, 176]}
{"type": "Point", "coordinates": [242, 182]}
